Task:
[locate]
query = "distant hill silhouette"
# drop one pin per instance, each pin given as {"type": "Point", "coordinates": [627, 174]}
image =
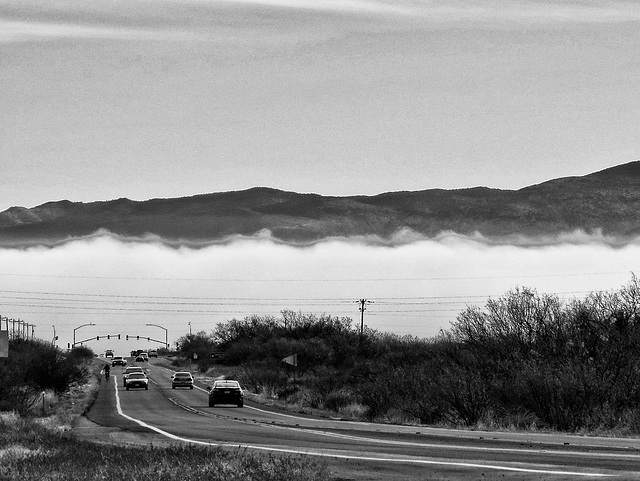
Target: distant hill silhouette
{"type": "Point", "coordinates": [607, 201]}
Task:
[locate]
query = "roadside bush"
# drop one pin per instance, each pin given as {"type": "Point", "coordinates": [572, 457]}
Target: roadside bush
{"type": "Point", "coordinates": [80, 354]}
{"type": "Point", "coordinates": [372, 385]}
{"type": "Point", "coordinates": [417, 392]}
{"type": "Point", "coordinates": [338, 400]}
{"type": "Point", "coordinates": [34, 366]}
{"type": "Point", "coordinates": [198, 348]}
{"type": "Point", "coordinates": [465, 395]}
{"type": "Point", "coordinates": [264, 377]}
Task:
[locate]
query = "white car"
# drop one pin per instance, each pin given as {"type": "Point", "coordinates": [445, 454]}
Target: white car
{"type": "Point", "coordinates": [130, 370]}
{"type": "Point", "coordinates": [118, 361]}
{"type": "Point", "coordinates": [137, 380]}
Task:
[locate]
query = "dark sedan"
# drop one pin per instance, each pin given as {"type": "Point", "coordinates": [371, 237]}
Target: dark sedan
{"type": "Point", "coordinates": [226, 392]}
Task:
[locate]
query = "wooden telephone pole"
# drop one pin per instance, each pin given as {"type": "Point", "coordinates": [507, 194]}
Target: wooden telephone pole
{"type": "Point", "coordinates": [362, 308]}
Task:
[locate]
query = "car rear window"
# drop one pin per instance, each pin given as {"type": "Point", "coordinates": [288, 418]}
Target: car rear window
{"type": "Point", "coordinates": [226, 384]}
{"type": "Point", "coordinates": [137, 375]}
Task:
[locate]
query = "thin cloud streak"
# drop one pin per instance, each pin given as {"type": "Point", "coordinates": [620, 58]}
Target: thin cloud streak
{"type": "Point", "coordinates": [488, 12]}
{"type": "Point", "coordinates": [469, 10]}
{"type": "Point", "coordinates": [23, 31]}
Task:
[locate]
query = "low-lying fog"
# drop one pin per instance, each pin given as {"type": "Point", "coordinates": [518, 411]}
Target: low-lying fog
{"type": "Point", "coordinates": [416, 286]}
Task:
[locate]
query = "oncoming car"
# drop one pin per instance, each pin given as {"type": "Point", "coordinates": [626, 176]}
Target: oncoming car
{"type": "Point", "coordinates": [137, 380]}
{"type": "Point", "coordinates": [118, 361]}
{"type": "Point", "coordinates": [182, 379]}
{"type": "Point", "coordinates": [226, 392]}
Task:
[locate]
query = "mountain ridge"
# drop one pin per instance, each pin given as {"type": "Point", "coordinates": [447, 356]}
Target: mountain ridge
{"type": "Point", "coordinates": [606, 201]}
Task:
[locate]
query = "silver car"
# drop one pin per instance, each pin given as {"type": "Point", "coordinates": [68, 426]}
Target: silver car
{"type": "Point", "coordinates": [182, 379]}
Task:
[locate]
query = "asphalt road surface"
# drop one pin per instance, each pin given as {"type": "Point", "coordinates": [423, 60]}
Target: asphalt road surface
{"type": "Point", "coordinates": [353, 450]}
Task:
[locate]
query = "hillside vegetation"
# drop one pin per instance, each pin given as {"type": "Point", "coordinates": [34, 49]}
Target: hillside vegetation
{"type": "Point", "coordinates": [606, 201]}
{"type": "Point", "coordinates": [526, 360]}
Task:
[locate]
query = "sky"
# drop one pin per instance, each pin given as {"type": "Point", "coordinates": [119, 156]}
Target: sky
{"type": "Point", "coordinates": [167, 98]}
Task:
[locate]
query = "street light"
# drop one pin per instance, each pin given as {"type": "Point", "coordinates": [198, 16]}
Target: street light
{"type": "Point", "coordinates": [74, 332]}
{"type": "Point", "coordinates": [166, 334]}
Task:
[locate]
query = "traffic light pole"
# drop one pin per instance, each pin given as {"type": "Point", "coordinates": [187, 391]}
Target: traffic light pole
{"type": "Point", "coordinates": [149, 339]}
{"type": "Point", "coordinates": [97, 338]}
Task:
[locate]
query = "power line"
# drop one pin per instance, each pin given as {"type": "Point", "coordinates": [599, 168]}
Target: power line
{"type": "Point", "coordinates": [163, 297]}
{"type": "Point", "coordinates": [382, 300]}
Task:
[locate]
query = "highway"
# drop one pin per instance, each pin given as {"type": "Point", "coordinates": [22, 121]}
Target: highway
{"type": "Point", "coordinates": [355, 450]}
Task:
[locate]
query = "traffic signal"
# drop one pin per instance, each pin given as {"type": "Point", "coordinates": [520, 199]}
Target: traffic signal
{"type": "Point", "coordinates": [127, 337]}
{"type": "Point", "coordinates": [108, 336]}
{"type": "Point", "coordinates": [97, 338]}
{"type": "Point", "coordinates": [138, 338]}
{"type": "Point", "coordinates": [118, 336]}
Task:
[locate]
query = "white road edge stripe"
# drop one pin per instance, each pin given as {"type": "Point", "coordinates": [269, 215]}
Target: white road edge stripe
{"type": "Point", "coordinates": [341, 456]}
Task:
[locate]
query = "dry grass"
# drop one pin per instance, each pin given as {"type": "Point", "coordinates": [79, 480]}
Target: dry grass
{"type": "Point", "coordinates": [30, 450]}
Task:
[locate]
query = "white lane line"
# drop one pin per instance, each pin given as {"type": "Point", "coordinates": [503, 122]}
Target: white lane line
{"type": "Point", "coordinates": [351, 457]}
{"type": "Point", "coordinates": [394, 442]}
{"type": "Point", "coordinates": [407, 443]}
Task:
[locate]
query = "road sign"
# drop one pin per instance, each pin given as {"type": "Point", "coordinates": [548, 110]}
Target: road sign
{"type": "Point", "coordinates": [293, 360]}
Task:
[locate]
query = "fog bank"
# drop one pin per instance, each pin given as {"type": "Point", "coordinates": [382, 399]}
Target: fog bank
{"type": "Point", "coordinates": [416, 285]}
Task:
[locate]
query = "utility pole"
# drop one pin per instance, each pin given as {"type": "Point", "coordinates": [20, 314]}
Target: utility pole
{"type": "Point", "coordinates": [362, 308]}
